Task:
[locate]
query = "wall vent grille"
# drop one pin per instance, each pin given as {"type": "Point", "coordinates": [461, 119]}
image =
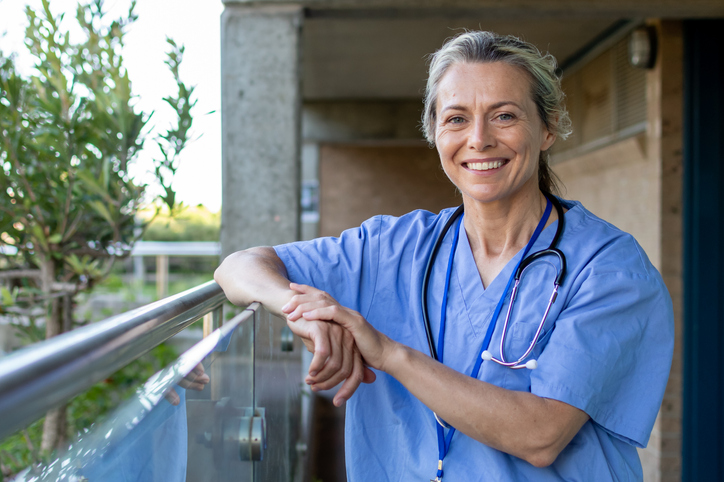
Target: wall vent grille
{"type": "Point", "coordinates": [606, 100]}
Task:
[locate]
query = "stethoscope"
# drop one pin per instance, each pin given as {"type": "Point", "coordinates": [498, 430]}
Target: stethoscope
{"type": "Point", "coordinates": [523, 264]}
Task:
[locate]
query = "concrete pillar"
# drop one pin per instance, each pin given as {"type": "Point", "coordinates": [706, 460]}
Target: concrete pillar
{"type": "Point", "coordinates": [261, 111]}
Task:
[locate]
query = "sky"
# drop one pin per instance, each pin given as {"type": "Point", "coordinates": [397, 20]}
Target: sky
{"type": "Point", "coordinates": [193, 23]}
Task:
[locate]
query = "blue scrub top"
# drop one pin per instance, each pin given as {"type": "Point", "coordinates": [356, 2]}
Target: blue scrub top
{"type": "Point", "coordinates": [606, 347]}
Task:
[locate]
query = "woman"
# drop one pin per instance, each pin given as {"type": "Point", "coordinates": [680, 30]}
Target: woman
{"type": "Point", "coordinates": [598, 363]}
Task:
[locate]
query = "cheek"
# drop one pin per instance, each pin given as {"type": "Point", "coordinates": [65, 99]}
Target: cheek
{"type": "Point", "coordinates": [446, 142]}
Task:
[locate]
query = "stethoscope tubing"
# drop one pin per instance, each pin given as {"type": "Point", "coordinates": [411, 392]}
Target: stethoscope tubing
{"type": "Point", "coordinates": [551, 250]}
{"type": "Point", "coordinates": [426, 277]}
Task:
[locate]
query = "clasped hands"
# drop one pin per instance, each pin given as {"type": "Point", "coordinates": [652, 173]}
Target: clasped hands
{"type": "Point", "coordinates": [344, 344]}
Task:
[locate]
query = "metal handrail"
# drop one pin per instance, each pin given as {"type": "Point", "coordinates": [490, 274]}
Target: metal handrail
{"type": "Point", "coordinates": [42, 376]}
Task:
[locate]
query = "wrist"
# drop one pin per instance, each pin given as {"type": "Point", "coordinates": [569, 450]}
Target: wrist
{"type": "Point", "coordinates": [281, 299]}
{"type": "Point", "coordinates": [396, 355]}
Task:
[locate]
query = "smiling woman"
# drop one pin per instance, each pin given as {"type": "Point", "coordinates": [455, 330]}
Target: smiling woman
{"type": "Point", "coordinates": [488, 132]}
{"type": "Point", "coordinates": [588, 379]}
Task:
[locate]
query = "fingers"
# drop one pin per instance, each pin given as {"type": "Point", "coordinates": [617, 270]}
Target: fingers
{"type": "Point", "coordinates": [352, 382]}
{"type": "Point", "coordinates": [307, 299]}
{"type": "Point", "coordinates": [322, 349]}
{"type": "Point", "coordinates": [336, 357]}
{"type": "Point", "coordinates": [196, 379]}
{"type": "Point", "coordinates": [368, 376]}
{"type": "Point", "coordinates": [303, 306]}
{"type": "Point", "coordinates": [341, 316]}
{"type": "Point", "coordinates": [172, 397]}
{"type": "Point", "coordinates": [340, 363]}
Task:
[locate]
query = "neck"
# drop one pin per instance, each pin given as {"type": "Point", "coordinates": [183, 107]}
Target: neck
{"type": "Point", "coordinates": [498, 230]}
{"type": "Point", "coordinates": [497, 226]}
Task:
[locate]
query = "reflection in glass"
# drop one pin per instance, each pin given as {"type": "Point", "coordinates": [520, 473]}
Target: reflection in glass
{"type": "Point", "coordinates": [145, 439]}
{"type": "Point", "coordinates": [242, 425]}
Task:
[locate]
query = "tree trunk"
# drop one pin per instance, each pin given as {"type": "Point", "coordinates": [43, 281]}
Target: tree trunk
{"type": "Point", "coordinates": [55, 426]}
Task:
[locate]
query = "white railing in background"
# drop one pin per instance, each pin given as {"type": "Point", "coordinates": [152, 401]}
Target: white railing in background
{"type": "Point", "coordinates": [162, 250]}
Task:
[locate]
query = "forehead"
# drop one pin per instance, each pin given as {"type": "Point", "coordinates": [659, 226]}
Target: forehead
{"type": "Point", "coordinates": [490, 82]}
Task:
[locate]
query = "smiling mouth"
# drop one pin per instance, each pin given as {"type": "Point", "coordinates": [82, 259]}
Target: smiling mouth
{"type": "Point", "coordinates": [484, 166]}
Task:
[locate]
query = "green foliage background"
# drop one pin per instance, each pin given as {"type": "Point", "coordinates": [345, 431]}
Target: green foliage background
{"type": "Point", "coordinates": [192, 224]}
{"type": "Point", "coordinates": [68, 133]}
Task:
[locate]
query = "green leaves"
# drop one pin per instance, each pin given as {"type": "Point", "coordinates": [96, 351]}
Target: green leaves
{"type": "Point", "coordinates": [174, 140]}
{"type": "Point", "coordinates": [84, 265]}
{"type": "Point", "coordinates": [68, 133]}
{"type": "Point", "coordinates": [7, 298]}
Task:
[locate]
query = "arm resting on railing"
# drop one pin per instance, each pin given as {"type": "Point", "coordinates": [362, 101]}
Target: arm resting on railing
{"type": "Point", "coordinates": [257, 274]}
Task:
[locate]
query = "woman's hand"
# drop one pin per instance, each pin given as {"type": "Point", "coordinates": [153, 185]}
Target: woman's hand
{"type": "Point", "coordinates": [257, 274]}
{"type": "Point", "coordinates": [336, 357]}
{"type": "Point", "coordinates": [312, 305]}
{"type": "Point", "coordinates": [510, 416]}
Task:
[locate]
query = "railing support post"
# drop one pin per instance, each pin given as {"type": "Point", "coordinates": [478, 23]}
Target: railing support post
{"type": "Point", "coordinates": [161, 276]}
{"type": "Point", "coordinates": [213, 320]}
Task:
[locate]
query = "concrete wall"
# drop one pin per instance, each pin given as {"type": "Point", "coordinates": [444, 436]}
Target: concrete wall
{"type": "Point", "coordinates": [635, 184]}
{"type": "Point", "coordinates": [261, 116]}
{"type": "Point", "coordinates": [620, 8]}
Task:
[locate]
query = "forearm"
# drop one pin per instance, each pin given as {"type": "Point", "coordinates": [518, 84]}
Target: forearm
{"type": "Point", "coordinates": [256, 274]}
{"type": "Point", "coordinates": [519, 423]}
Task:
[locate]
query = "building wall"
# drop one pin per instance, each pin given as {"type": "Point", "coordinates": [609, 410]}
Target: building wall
{"type": "Point", "coordinates": [358, 182]}
{"type": "Point", "coordinates": [635, 183]}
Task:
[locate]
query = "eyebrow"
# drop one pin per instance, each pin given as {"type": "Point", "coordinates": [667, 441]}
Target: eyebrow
{"type": "Point", "coordinates": [497, 105]}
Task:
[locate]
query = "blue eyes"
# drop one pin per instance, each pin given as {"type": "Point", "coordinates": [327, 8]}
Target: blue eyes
{"type": "Point", "coordinates": [501, 117]}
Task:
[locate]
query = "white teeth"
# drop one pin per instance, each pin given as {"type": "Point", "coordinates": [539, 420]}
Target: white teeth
{"type": "Point", "coordinates": [484, 166]}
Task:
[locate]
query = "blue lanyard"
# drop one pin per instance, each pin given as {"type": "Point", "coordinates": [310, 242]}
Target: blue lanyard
{"type": "Point", "coordinates": [443, 441]}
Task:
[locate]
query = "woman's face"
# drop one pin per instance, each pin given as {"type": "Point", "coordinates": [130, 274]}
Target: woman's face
{"type": "Point", "coordinates": [488, 132]}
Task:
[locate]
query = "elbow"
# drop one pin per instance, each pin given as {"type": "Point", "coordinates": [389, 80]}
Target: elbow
{"type": "Point", "coordinates": [229, 275]}
{"type": "Point", "coordinates": [542, 458]}
{"type": "Point", "coordinates": [544, 450]}
{"type": "Point", "coordinates": [222, 271]}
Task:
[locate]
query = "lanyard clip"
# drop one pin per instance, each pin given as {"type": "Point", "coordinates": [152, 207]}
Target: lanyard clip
{"type": "Point", "coordinates": [439, 472]}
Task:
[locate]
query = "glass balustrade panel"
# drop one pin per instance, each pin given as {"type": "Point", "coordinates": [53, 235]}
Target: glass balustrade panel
{"type": "Point", "coordinates": [176, 427]}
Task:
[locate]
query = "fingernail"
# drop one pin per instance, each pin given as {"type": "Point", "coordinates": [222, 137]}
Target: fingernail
{"type": "Point", "coordinates": [285, 307]}
{"type": "Point", "coordinates": [313, 374]}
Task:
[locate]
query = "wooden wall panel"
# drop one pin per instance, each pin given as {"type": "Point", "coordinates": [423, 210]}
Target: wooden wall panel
{"type": "Point", "coordinates": [358, 182]}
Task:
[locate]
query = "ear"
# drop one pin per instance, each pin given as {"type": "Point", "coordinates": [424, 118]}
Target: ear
{"type": "Point", "coordinates": [548, 139]}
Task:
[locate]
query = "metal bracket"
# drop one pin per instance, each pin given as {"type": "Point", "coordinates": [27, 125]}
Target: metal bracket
{"type": "Point", "coordinates": [252, 434]}
{"type": "Point", "coordinates": [238, 433]}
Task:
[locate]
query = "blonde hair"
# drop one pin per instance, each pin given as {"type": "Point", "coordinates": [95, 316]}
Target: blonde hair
{"type": "Point", "coordinates": [484, 47]}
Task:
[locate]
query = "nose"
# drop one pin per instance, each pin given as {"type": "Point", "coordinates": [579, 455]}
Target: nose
{"type": "Point", "coordinates": [481, 135]}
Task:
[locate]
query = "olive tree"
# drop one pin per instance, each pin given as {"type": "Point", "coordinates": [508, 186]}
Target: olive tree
{"type": "Point", "coordinates": [68, 134]}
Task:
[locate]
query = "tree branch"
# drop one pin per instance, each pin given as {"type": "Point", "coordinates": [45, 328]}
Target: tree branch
{"type": "Point", "coordinates": [20, 273]}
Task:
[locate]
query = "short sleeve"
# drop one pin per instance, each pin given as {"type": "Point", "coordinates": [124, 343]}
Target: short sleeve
{"type": "Point", "coordinates": [345, 267]}
{"type": "Point", "coordinates": [610, 352]}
